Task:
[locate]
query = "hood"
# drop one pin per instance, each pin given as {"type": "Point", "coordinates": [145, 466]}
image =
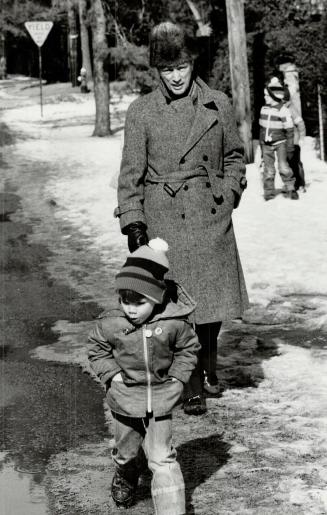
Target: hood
{"type": "Point", "coordinates": [179, 303]}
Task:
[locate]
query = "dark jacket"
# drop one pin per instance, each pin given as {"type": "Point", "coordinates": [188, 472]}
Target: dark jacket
{"type": "Point", "coordinates": [180, 166]}
{"type": "Point", "coordinates": [148, 357]}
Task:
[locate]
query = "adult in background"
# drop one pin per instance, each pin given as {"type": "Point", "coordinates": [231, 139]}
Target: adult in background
{"type": "Point", "coordinates": [182, 174]}
{"type": "Point", "coordinates": [299, 137]}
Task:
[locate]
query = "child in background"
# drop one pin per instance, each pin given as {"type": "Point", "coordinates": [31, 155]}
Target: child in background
{"type": "Point", "coordinates": [276, 137]}
{"type": "Point", "coordinates": [144, 353]}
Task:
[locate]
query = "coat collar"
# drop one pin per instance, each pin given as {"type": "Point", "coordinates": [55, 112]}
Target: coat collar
{"type": "Point", "coordinates": [205, 116]}
{"type": "Point", "coordinates": [193, 92]}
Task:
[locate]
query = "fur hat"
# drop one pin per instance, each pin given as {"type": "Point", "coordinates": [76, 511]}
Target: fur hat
{"type": "Point", "coordinates": [169, 44]}
{"type": "Point", "coordinates": [275, 89]}
{"type": "Point", "coordinates": [144, 271]}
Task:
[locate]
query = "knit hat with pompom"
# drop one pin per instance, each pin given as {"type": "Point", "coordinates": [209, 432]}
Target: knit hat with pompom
{"type": "Point", "coordinates": [144, 270]}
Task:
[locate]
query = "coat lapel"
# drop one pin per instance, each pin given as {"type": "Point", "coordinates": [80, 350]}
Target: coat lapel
{"type": "Point", "coordinates": [205, 117]}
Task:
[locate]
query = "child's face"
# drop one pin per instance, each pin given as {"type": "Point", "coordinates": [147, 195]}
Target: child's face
{"type": "Point", "coordinates": [138, 312]}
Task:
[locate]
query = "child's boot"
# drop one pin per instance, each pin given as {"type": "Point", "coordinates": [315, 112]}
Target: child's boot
{"type": "Point", "coordinates": [195, 405]}
{"type": "Point", "coordinates": [123, 486]}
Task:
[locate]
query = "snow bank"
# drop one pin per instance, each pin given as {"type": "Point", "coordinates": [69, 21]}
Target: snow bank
{"type": "Point", "coordinates": [282, 243]}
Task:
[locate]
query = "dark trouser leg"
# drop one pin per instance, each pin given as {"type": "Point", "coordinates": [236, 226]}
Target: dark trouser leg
{"type": "Point", "coordinates": [269, 170]}
{"type": "Point", "coordinates": [297, 168]}
{"type": "Point", "coordinates": [207, 334]}
{"type": "Point", "coordinates": [285, 170]}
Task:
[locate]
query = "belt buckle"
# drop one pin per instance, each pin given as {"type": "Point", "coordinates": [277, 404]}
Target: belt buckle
{"type": "Point", "coordinates": [169, 190]}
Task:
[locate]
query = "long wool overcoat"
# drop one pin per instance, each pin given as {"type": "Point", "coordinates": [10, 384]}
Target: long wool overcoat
{"type": "Point", "coordinates": [182, 173]}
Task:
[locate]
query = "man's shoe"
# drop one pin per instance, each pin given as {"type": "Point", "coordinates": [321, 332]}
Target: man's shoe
{"type": "Point", "coordinates": [211, 384]}
{"type": "Point", "coordinates": [269, 196]}
{"type": "Point", "coordinates": [195, 405]}
{"type": "Point", "coordinates": [293, 195]}
{"type": "Point", "coordinates": [123, 491]}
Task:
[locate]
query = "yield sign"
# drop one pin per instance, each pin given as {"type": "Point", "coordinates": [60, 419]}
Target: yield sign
{"type": "Point", "coordinates": [38, 30]}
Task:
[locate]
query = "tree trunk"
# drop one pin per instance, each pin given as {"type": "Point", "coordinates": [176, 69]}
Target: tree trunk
{"type": "Point", "coordinates": [204, 29]}
{"type": "Point", "coordinates": [72, 42]}
{"type": "Point", "coordinates": [239, 72]}
{"type": "Point", "coordinates": [85, 43]}
{"type": "Point", "coordinates": [100, 74]}
{"type": "Point", "coordinates": [3, 60]}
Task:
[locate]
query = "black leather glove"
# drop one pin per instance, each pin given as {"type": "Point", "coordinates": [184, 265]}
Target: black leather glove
{"type": "Point", "coordinates": [136, 235]}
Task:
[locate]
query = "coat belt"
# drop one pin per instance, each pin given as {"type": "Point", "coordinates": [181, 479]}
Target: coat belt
{"type": "Point", "coordinates": [175, 180]}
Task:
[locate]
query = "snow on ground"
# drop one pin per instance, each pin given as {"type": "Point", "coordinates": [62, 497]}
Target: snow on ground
{"type": "Point", "coordinates": [282, 243]}
{"type": "Point", "coordinates": [259, 449]}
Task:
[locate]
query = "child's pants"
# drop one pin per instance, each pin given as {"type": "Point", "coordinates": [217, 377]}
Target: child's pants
{"type": "Point", "coordinates": [269, 170]}
{"type": "Point", "coordinates": [155, 433]}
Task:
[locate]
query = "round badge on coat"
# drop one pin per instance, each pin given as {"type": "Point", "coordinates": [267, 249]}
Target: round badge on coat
{"type": "Point", "coordinates": [148, 333]}
{"type": "Point", "coordinates": [158, 331]}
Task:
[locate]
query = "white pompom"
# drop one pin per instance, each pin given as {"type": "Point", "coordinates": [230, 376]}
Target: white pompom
{"type": "Point", "coordinates": [159, 245]}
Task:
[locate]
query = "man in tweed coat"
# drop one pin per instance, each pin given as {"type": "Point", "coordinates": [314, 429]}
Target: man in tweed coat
{"type": "Point", "coordinates": [182, 174]}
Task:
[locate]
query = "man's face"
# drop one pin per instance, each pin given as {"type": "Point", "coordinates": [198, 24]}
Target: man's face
{"type": "Point", "coordinates": [177, 78]}
{"type": "Point", "coordinates": [138, 311]}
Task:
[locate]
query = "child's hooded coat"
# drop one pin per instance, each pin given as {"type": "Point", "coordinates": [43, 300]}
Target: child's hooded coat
{"type": "Point", "coordinates": [148, 357]}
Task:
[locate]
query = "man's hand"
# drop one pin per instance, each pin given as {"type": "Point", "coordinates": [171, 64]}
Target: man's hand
{"type": "Point", "coordinates": [136, 235]}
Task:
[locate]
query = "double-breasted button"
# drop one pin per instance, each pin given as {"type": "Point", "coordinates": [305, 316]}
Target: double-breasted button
{"type": "Point", "coordinates": [148, 333]}
{"type": "Point", "coordinates": [208, 185]}
{"type": "Point", "coordinates": [213, 211]}
{"type": "Point", "coordinates": [183, 216]}
{"type": "Point", "coordinates": [205, 157]}
{"type": "Point", "coordinates": [186, 187]}
{"type": "Point", "coordinates": [183, 160]}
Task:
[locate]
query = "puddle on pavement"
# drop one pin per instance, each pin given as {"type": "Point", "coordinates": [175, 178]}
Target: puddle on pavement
{"type": "Point", "coordinates": [46, 407]}
{"type": "Point", "coordinates": [22, 492]}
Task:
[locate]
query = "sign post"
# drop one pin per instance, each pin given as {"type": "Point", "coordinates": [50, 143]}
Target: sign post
{"type": "Point", "coordinates": [39, 30]}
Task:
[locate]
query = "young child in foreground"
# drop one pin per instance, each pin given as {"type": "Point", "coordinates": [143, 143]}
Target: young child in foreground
{"type": "Point", "coordinates": [144, 353]}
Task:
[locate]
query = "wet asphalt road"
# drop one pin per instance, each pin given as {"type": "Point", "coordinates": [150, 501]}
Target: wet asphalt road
{"type": "Point", "coordinates": [46, 407]}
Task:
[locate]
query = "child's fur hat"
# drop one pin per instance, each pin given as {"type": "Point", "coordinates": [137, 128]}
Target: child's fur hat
{"type": "Point", "coordinates": [170, 44]}
{"type": "Point", "coordinates": [144, 271]}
